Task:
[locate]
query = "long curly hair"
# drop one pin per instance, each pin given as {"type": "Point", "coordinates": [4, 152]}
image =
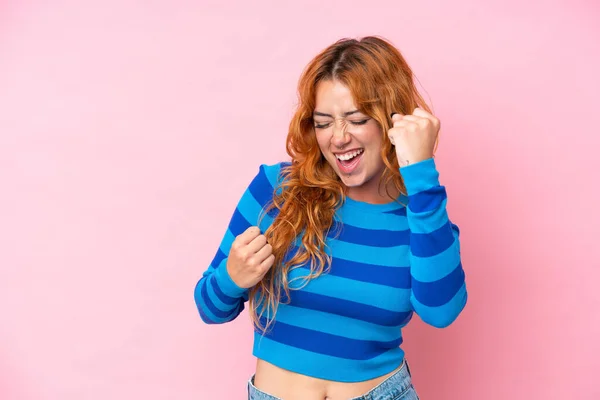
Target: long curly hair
{"type": "Point", "coordinates": [381, 82]}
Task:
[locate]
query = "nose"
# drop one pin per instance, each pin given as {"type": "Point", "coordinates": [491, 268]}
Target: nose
{"type": "Point", "coordinates": [340, 137]}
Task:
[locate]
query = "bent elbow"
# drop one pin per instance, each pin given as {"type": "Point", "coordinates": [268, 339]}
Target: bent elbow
{"type": "Point", "coordinates": [443, 316]}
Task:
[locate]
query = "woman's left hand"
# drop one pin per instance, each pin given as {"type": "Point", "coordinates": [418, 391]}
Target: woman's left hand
{"type": "Point", "coordinates": [414, 136]}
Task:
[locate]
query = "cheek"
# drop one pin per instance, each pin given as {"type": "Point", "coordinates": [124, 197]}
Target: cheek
{"type": "Point", "coordinates": [371, 138]}
{"type": "Point", "coordinates": [373, 141]}
{"type": "Point", "coordinates": [323, 141]}
{"type": "Point", "coordinates": [378, 138]}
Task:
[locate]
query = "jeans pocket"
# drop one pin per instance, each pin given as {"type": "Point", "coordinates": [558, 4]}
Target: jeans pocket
{"type": "Point", "coordinates": [408, 394]}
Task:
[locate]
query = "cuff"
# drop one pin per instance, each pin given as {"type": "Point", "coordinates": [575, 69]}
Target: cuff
{"type": "Point", "coordinates": [226, 284]}
{"type": "Point", "coordinates": [420, 176]}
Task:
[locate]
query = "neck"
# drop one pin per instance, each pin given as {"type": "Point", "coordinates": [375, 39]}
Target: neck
{"type": "Point", "coordinates": [373, 193]}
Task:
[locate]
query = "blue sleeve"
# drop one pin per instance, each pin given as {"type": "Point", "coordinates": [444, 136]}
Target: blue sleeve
{"type": "Point", "coordinates": [217, 297]}
{"type": "Point", "coordinates": [439, 292]}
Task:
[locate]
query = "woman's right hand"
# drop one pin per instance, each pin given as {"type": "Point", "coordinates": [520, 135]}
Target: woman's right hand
{"type": "Point", "coordinates": [250, 258]}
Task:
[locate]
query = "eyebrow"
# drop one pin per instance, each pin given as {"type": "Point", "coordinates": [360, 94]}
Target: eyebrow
{"type": "Point", "coordinates": [320, 114]}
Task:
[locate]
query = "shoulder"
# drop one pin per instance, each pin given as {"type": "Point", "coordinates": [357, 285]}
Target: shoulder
{"type": "Point", "coordinates": [267, 180]}
{"type": "Point", "coordinates": [273, 173]}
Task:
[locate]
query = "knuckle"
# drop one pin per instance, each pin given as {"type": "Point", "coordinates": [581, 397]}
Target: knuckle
{"type": "Point", "coordinates": [245, 255]}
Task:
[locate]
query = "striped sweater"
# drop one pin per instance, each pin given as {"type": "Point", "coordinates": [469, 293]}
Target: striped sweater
{"type": "Point", "coordinates": [388, 262]}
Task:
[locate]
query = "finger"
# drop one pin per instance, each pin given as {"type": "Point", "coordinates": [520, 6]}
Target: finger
{"type": "Point", "coordinates": [419, 112]}
{"type": "Point", "coordinates": [408, 125]}
{"type": "Point", "coordinates": [264, 253]}
{"type": "Point", "coordinates": [258, 243]}
{"type": "Point", "coordinates": [412, 118]}
{"type": "Point", "coordinates": [396, 116]}
{"type": "Point", "coordinates": [248, 235]}
{"type": "Point", "coordinates": [267, 264]}
{"type": "Point", "coordinates": [391, 134]}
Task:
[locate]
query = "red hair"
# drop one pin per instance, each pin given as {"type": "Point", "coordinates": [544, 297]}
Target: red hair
{"type": "Point", "coordinates": [381, 82]}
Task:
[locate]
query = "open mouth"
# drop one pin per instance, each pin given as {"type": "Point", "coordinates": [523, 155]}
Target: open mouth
{"type": "Point", "coordinates": [347, 162]}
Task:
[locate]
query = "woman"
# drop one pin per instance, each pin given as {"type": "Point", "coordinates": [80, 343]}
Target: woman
{"type": "Point", "coordinates": [335, 250]}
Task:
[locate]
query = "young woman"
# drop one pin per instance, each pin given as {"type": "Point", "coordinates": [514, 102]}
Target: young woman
{"type": "Point", "coordinates": [335, 250]}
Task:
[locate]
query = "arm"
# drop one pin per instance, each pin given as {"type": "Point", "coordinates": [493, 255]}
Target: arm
{"type": "Point", "coordinates": [218, 298]}
{"type": "Point", "coordinates": [439, 291]}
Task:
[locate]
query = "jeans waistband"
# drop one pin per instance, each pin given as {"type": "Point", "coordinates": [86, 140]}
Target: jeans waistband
{"type": "Point", "coordinates": [393, 386]}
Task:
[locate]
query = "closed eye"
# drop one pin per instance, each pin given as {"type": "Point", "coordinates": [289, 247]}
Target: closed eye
{"type": "Point", "coordinates": [322, 126]}
{"type": "Point", "coordinates": [326, 124]}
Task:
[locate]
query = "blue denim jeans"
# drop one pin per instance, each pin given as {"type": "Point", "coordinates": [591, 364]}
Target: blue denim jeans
{"type": "Point", "coordinates": [396, 387]}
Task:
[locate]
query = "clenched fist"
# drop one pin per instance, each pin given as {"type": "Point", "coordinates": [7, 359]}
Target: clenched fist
{"type": "Point", "coordinates": [250, 257]}
{"type": "Point", "coordinates": [414, 136]}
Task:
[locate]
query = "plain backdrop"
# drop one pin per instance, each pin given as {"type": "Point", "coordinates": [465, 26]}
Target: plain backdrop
{"type": "Point", "coordinates": [129, 129]}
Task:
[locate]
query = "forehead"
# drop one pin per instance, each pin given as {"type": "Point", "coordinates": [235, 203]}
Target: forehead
{"type": "Point", "coordinates": [333, 96]}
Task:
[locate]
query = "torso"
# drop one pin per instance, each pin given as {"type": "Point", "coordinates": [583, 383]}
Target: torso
{"type": "Point", "coordinates": [345, 325]}
{"type": "Point", "coordinates": [289, 385]}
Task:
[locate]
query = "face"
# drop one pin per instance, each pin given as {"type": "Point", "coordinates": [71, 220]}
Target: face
{"type": "Point", "coordinates": [349, 140]}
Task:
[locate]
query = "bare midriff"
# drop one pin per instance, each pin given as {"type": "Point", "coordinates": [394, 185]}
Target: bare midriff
{"type": "Point", "coordinates": [290, 385]}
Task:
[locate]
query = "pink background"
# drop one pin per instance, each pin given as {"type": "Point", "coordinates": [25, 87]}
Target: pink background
{"type": "Point", "coordinates": [129, 129]}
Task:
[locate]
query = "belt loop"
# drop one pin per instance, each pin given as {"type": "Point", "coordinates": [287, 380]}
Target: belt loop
{"type": "Point", "coordinates": [408, 368]}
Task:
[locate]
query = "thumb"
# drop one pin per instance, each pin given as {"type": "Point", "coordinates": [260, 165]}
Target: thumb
{"type": "Point", "coordinates": [396, 116]}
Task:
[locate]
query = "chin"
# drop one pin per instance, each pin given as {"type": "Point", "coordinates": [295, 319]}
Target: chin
{"type": "Point", "coordinates": [352, 181]}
